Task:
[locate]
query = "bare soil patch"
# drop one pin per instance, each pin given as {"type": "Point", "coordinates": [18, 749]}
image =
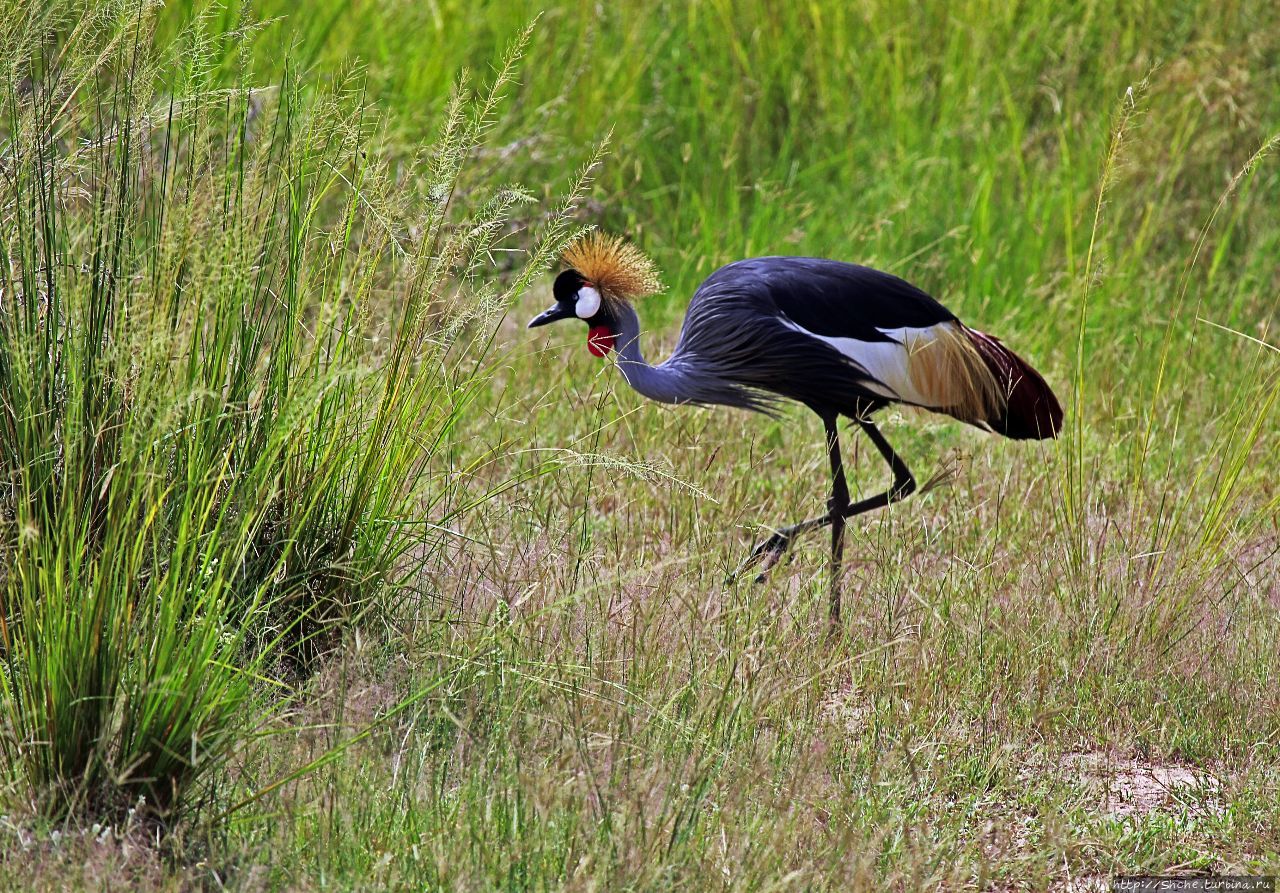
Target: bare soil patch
{"type": "Point", "coordinates": [1139, 787]}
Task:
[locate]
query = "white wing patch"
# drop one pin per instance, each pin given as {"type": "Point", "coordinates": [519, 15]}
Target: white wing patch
{"type": "Point", "coordinates": [888, 362]}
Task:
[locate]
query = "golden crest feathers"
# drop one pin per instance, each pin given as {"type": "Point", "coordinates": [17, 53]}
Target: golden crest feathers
{"type": "Point", "coordinates": [618, 269]}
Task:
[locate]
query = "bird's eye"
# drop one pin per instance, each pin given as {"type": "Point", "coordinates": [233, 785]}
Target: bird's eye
{"type": "Point", "coordinates": [588, 304]}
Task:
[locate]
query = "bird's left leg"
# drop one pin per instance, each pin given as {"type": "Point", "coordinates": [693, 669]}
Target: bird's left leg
{"type": "Point", "coordinates": [904, 484]}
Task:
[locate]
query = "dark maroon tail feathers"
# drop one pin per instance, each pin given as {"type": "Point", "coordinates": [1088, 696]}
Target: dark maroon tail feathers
{"type": "Point", "coordinates": [1032, 411]}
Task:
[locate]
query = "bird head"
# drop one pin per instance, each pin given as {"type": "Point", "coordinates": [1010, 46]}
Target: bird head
{"type": "Point", "coordinates": [604, 272]}
{"type": "Point", "coordinates": [577, 296]}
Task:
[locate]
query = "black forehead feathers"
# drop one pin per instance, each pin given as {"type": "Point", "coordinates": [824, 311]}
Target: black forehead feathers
{"type": "Point", "coordinates": [567, 285]}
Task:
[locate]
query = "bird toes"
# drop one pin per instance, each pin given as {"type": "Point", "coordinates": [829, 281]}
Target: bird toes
{"type": "Point", "coordinates": [769, 552]}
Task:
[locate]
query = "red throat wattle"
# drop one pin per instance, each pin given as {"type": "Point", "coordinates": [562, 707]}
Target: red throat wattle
{"type": "Point", "coordinates": [600, 340]}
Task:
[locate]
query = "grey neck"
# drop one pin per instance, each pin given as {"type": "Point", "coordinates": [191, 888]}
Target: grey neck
{"type": "Point", "coordinates": [662, 383]}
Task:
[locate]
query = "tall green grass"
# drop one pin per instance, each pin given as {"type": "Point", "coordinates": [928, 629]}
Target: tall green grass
{"type": "Point", "coordinates": [235, 341]}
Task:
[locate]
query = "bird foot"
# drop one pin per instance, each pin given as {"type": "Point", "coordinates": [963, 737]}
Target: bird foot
{"type": "Point", "coordinates": [769, 552]}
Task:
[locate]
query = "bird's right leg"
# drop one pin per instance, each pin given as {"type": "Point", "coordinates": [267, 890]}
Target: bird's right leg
{"type": "Point", "coordinates": [836, 507]}
{"type": "Point", "coordinates": [904, 484]}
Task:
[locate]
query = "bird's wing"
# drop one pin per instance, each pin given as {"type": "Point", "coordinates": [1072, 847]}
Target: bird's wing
{"type": "Point", "coordinates": [843, 337]}
{"type": "Point", "coordinates": [901, 343]}
{"type": "Point", "coordinates": [835, 299]}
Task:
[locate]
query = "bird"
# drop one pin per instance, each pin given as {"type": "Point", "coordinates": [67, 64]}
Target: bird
{"type": "Point", "coordinates": [841, 339]}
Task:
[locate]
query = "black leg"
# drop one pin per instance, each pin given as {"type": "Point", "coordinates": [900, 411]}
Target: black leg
{"type": "Point", "coordinates": [772, 549]}
{"type": "Point", "coordinates": [836, 507]}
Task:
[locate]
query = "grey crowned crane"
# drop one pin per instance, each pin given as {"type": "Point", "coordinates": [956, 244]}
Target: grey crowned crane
{"type": "Point", "coordinates": [842, 339]}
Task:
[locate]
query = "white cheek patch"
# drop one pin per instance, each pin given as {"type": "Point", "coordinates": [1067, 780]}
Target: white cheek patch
{"type": "Point", "coordinates": [588, 302]}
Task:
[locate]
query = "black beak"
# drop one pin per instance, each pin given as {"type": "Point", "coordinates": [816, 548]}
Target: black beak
{"type": "Point", "coordinates": [551, 314]}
